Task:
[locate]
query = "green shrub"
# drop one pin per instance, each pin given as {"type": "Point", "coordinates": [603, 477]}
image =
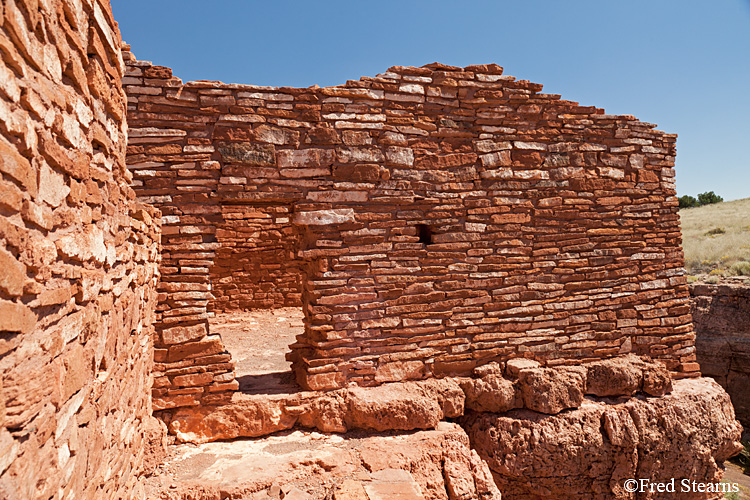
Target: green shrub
{"type": "Point", "coordinates": [715, 231]}
{"type": "Point", "coordinates": [687, 201]}
{"type": "Point", "coordinates": [743, 459]}
{"type": "Point", "coordinates": [741, 268]}
{"type": "Point", "coordinates": [708, 198]}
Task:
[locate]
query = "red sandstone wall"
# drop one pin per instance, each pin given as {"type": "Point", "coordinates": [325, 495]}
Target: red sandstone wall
{"type": "Point", "coordinates": [555, 228]}
{"type": "Point", "coordinates": [722, 326]}
{"type": "Point", "coordinates": [78, 260]}
{"type": "Point", "coordinates": [256, 263]}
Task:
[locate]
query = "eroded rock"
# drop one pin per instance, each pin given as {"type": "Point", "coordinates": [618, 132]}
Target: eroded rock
{"type": "Point", "coordinates": [613, 377]}
{"type": "Point", "coordinates": [514, 366]}
{"type": "Point", "coordinates": [491, 393]}
{"type": "Point", "coordinates": [417, 404]}
{"type": "Point", "coordinates": [397, 406]}
{"type": "Point", "coordinates": [391, 407]}
{"type": "Point", "coordinates": [243, 418]}
{"type": "Point", "coordinates": [433, 464]}
{"type": "Point", "coordinates": [656, 379]}
{"type": "Point", "coordinates": [552, 390]}
{"type": "Point", "coordinates": [587, 453]}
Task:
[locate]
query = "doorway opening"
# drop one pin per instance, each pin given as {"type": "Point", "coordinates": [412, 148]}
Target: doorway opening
{"type": "Point", "coordinates": [256, 282]}
{"type": "Point", "coordinates": [258, 340]}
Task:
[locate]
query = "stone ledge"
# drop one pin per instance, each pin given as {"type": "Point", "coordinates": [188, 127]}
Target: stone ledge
{"type": "Point", "coordinates": [421, 404]}
{"type": "Point", "coordinates": [435, 464]}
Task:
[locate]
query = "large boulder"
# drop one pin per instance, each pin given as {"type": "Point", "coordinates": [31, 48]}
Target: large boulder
{"type": "Point", "coordinates": [491, 393]}
{"type": "Point", "coordinates": [436, 464]}
{"type": "Point", "coordinates": [391, 407]}
{"type": "Point", "coordinates": [589, 452]}
{"type": "Point", "coordinates": [552, 390]}
{"type": "Point", "coordinates": [613, 377]}
{"type": "Point", "coordinates": [250, 417]}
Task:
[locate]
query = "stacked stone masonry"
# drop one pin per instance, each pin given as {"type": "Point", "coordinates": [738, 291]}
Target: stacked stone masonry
{"type": "Point", "coordinates": [722, 324]}
{"type": "Point", "coordinates": [433, 223]}
{"type": "Point", "coordinates": [429, 220]}
{"type": "Point", "coordinates": [78, 260]}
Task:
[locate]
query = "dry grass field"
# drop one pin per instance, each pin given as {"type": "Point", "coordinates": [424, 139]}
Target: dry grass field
{"type": "Point", "coordinates": [716, 238]}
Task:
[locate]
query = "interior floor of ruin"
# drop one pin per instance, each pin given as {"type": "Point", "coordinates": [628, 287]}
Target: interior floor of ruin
{"type": "Point", "coordinates": [303, 464]}
{"type": "Point", "coordinates": [318, 464]}
{"type": "Point", "coordinates": [258, 341]}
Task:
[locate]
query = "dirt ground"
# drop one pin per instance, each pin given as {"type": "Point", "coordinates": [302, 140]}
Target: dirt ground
{"type": "Point", "coordinates": [733, 474]}
{"type": "Point", "coordinates": [259, 341]}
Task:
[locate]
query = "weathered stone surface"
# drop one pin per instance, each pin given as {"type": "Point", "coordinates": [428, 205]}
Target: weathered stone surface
{"type": "Point", "coordinates": [400, 370]}
{"type": "Point", "coordinates": [552, 390]}
{"type": "Point", "coordinates": [327, 414]}
{"type": "Point", "coordinates": [17, 166]}
{"type": "Point", "coordinates": [395, 406]}
{"type": "Point", "coordinates": [247, 153]}
{"type": "Point", "coordinates": [457, 461]}
{"type": "Point", "coordinates": [613, 377]}
{"type": "Point", "coordinates": [391, 407]}
{"type": "Point", "coordinates": [721, 315]}
{"type": "Point", "coordinates": [12, 274]}
{"type": "Point", "coordinates": [357, 173]}
{"type": "Point", "coordinates": [15, 317]}
{"type": "Point", "coordinates": [491, 393]}
{"type": "Point", "coordinates": [154, 444]}
{"type": "Point", "coordinates": [84, 246]}
{"type": "Point", "coordinates": [52, 187]}
{"type": "Point", "coordinates": [325, 217]}
{"type": "Point", "coordinates": [204, 347]}
{"type": "Point", "coordinates": [514, 366]}
{"type": "Point", "coordinates": [297, 494]}
{"type": "Point", "coordinates": [306, 158]}
{"type": "Point", "coordinates": [248, 418]}
{"type": "Point", "coordinates": [589, 452]}
{"type": "Point", "coordinates": [387, 484]}
{"type": "Point", "coordinates": [405, 405]}
{"type": "Point", "coordinates": [493, 368]}
{"type": "Point", "coordinates": [350, 489]}
{"type": "Point", "coordinates": [431, 465]}
{"type": "Point", "coordinates": [656, 379]}
{"type": "Point", "coordinates": [8, 449]}
{"type": "Point", "coordinates": [447, 392]}
{"type": "Point", "coordinates": [180, 334]}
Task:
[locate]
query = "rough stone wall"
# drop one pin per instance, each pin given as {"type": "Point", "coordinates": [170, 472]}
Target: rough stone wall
{"type": "Point", "coordinates": [78, 260]}
{"type": "Point", "coordinates": [256, 263]}
{"type": "Point", "coordinates": [722, 324]}
{"type": "Point", "coordinates": [448, 217]}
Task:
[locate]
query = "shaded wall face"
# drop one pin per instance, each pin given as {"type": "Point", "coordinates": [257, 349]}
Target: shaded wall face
{"type": "Point", "coordinates": [722, 326]}
{"type": "Point", "coordinates": [77, 260]}
{"type": "Point", "coordinates": [256, 264]}
{"type": "Point", "coordinates": [553, 228]}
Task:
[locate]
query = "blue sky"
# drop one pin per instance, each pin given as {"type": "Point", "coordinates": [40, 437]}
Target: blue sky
{"type": "Point", "coordinates": [682, 64]}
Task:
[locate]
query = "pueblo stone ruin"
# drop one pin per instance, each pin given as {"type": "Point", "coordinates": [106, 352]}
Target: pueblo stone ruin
{"type": "Point", "coordinates": [463, 247]}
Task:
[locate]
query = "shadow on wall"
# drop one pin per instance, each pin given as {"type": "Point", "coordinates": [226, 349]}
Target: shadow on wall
{"type": "Point", "coordinates": [721, 315]}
